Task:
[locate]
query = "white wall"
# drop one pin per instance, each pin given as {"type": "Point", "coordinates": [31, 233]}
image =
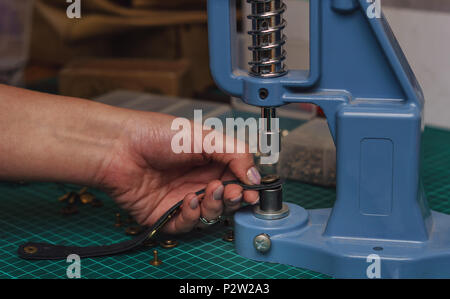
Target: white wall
{"type": "Point", "coordinates": [423, 35]}
{"type": "Point", "coordinates": [425, 39]}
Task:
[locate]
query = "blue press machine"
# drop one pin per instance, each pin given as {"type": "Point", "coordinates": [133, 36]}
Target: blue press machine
{"type": "Point", "coordinates": [374, 105]}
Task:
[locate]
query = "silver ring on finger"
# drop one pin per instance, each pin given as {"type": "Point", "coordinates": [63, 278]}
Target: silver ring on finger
{"type": "Point", "coordinates": [210, 222]}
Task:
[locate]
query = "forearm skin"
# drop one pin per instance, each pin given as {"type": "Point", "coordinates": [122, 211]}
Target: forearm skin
{"type": "Point", "coordinates": [53, 138]}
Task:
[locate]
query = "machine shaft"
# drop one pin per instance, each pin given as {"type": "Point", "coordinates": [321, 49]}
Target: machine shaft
{"type": "Point", "coordinates": [268, 55]}
{"type": "Point", "coordinates": [268, 39]}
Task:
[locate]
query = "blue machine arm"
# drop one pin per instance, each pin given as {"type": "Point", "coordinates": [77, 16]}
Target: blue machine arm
{"type": "Point", "coordinates": [361, 79]}
{"type": "Point", "coordinates": [374, 67]}
{"type": "Point", "coordinates": [223, 51]}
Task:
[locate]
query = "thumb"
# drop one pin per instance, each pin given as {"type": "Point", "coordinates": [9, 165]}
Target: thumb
{"type": "Point", "coordinates": [240, 162]}
{"type": "Point", "coordinates": [245, 172]}
{"type": "Point", "coordinates": [242, 166]}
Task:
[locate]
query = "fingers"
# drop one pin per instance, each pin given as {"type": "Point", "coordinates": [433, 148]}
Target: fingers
{"type": "Point", "coordinates": [187, 218]}
{"type": "Point", "coordinates": [232, 198]}
{"type": "Point", "coordinates": [211, 207]}
{"type": "Point", "coordinates": [249, 176]}
{"type": "Point", "coordinates": [233, 192]}
{"type": "Point", "coordinates": [212, 204]}
{"type": "Point", "coordinates": [251, 197]}
{"type": "Point", "coordinates": [242, 167]}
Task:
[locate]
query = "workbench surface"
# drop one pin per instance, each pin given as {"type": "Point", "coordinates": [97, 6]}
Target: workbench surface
{"type": "Point", "coordinates": [31, 212]}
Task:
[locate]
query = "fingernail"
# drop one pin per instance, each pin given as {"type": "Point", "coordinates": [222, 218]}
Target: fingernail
{"type": "Point", "coordinates": [237, 199]}
{"type": "Point", "coordinates": [254, 176]}
{"type": "Point", "coordinates": [256, 202]}
{"type": "Point", "coordinates": [194, 203]}
{"type": "Point", "coordinates": [218, 193]}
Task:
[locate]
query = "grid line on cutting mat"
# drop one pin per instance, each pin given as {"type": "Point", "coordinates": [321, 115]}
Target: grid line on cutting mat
{"type": "Point", "coordinates": [31, 213]}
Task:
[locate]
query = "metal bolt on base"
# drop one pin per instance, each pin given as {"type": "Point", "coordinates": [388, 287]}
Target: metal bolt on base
{"type": "Point", "coordinates": [262, 243]}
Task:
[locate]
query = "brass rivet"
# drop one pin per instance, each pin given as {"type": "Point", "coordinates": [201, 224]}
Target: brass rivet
{"type": "Point", "coordinates": [169, 244]}
{"type": "Point", "coordinates": [87, 198]}
{"type": "Point", "coordinates": [269, 179]}
{"type": "Point", "coordinates": [133, 230]}
{"type": "Point", "coordinates": [229, 236]}
{"type": "Point", "coordinates": [150, 243]}
{"type": "Point", "coordinates": [156, 261]}
{"type": "Point", "coordinates": [64, 197]}
{"type": "Point", "coordinates": [118, 220]}
{"type": "Point", "coordinates": [30, 249]}
{"type": "Point", "coordinates": [74, 198]}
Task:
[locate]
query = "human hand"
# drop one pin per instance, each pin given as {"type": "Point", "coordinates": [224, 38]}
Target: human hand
{"type": "Point", "coordinates": [147, 178]}
{"type": "Point", "coordinates": [127, 153]}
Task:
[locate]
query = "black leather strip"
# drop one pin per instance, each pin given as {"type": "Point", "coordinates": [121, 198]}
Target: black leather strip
{"type": "Point", "coordinates": [44, 251]}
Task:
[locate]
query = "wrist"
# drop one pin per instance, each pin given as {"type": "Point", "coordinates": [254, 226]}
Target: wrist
{"type": "Point", "coordinates": [53, 138]}
{"type": "Point", "coordinates": [89, 140]}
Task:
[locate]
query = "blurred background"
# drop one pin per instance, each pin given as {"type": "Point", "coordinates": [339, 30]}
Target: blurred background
{"type": "Point", "coordinates": [161, 47]}
{"type": "Point", "coordinates": [152, 55]}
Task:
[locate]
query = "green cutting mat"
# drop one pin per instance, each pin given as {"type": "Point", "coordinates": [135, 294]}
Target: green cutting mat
{"type": "Point", "coordinates": [31, 213]}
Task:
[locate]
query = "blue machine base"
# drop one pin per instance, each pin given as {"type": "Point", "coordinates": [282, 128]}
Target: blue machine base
{"type": "Point", "coordinates": [298, 240]}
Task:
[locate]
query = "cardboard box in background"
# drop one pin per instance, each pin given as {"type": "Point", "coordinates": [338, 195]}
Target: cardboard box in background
{"type": "Point", "coordinates": [172, 4]}
{"type": "Point", "coordinates": [110, 30]}
{"type": "Point", "coordinates": [88, 78]}
{"type": "Point", "coordinates": [188, 42]}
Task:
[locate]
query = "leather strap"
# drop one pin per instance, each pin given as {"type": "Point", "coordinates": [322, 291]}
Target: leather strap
{"type": "Point", "coordinates": [45, 251]}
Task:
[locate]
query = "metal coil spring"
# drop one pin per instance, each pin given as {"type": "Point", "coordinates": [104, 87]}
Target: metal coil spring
{"type": "Point", "coordinates": [268, 39]}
